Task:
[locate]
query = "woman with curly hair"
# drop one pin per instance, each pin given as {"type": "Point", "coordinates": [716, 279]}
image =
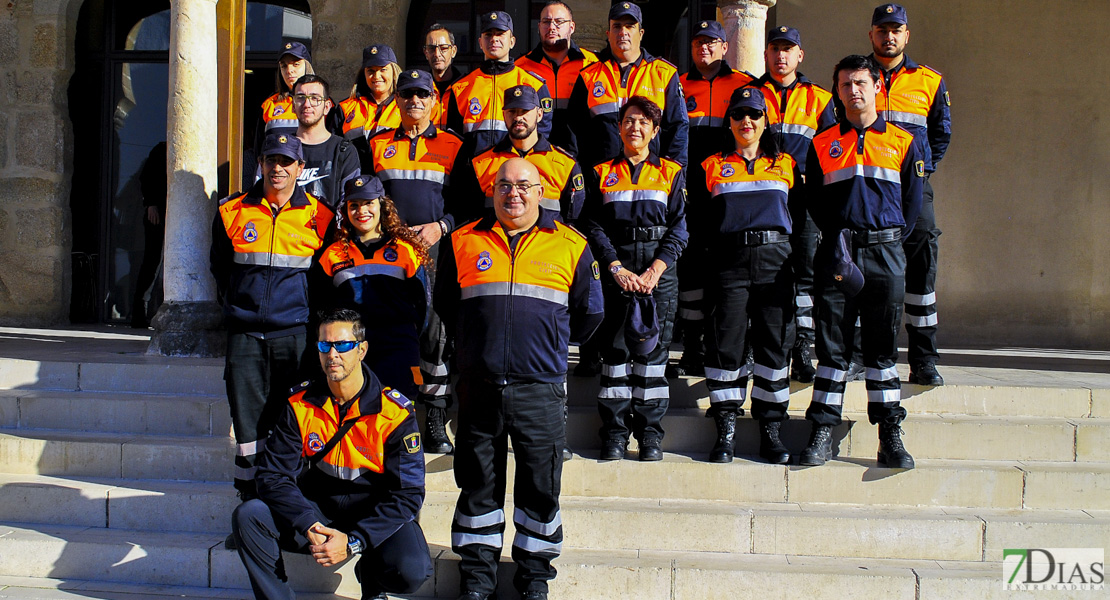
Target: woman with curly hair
{"type": "Point", "coordinates": [378, 267]}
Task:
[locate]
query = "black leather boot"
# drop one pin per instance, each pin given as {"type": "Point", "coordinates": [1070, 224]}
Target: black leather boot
{"type": "Point", "coordinates": [892, 453]}
{"type": "Point", "coordinates": [613, 449]}
{"type": "Point", "coordinates": [925, 373]}
{"type": "Point", "coordinates": [435, 432]}
{"type": "Point", "coordinates": [651, 449]}
{"type": "Point", "coordinates": [771, 447]}
{"type": "Point", "coordinates": [819, 449]}
{"type": "Point", "coordinates": [722, 451]}
{"type": "Point", "coordinates": [801, 365]}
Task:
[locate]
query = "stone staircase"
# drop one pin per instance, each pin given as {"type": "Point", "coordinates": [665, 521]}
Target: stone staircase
{"type": "Point", "coordinates": [114, 474]}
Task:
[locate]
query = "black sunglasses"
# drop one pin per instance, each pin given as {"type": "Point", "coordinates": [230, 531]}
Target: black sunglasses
{"type": "Point", "coordinates": [407, 94]}
{"type": "Point", "coordinates": [738, 114]}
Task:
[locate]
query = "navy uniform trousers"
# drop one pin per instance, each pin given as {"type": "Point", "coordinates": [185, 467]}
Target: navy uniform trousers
{"type": "Point", "coordinates": [921, 249]}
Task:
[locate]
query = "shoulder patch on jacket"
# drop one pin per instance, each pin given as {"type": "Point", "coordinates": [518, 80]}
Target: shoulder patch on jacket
{"type": "Point", "coordinates": [231, 197]}
{"type": "Point", "coordinates": [412, 443]}
{"type": "Point", "coordinates": [398, 398]}
{"type": "Point", "coordinates": [299, 387]}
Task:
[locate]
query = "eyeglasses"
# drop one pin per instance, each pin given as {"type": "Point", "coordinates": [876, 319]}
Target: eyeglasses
{"type": "Point", "coordinates": [630, 122]}
{"type": "Point", "coordinates": [444, 48]}
{"type": "Point", "coordinates": [341, 347]}
{"type": "Point", "coordinates": [408, 93]}
{"type": "Point", "coordinates": [523, 188]}
{"type": "Point", "coordinates": [706, 42]}
{"type": "Point", "coordinates": [739, 114]}
{"type": "Point", "coordinates": [555, 22]}
{"type": "Point", "coordinates": [311, 100]}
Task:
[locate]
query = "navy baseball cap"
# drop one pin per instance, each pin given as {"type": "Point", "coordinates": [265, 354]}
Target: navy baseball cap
{"type": "Point", "coordinates": [711, 29]}
{"type": "Point", "coordinates": [296, 49]}
{"type": "Point", "coordinates": [626, 9]}
{"type": "Point", "coordinates": [521, 96]}
{"type": "Point", "coordinates": [846, 275]}
{"type": "Point", "coordinates": [889, 13]}
{"type": "Point", "coordinates": [641, 332]}
{"type": "Point", "coordinates": [415, 78]}
{"type": "Point", "coordinates": [283, 144]}
{"type": "Point", "coordinates": [498, 19]}
{"type": "Point", "coordinates": [785, 34]}
{"type": "Point", "coordinates": [378, 55]}
{"type": "Point", "coordinates": [746, 97]}
{"type": "Point", "coordinates": [363, 187]}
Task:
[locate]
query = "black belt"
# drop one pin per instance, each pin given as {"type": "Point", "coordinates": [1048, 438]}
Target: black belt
{"type": "Point", "coordinates": [644, 234]}
{"type": "Point", "coordinates": [754, 238]}
{"type": "Point", "coordinates": [869, 237]}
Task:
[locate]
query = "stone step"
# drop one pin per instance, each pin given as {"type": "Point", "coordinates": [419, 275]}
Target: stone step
{"type": "Point", "coordinates": [138, 374]}
{"type": "Point", "coordinates": [141, 413]}
{"type": "Point", "coordinates": [83, 561]}
{"type": "Point", "coordinates": [36, 588]}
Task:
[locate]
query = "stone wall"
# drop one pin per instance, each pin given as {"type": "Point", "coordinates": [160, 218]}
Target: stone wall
{"type": "Point", "coordinates": [36, 60]}
{"type": "Point", "coordinates": [342, 28]}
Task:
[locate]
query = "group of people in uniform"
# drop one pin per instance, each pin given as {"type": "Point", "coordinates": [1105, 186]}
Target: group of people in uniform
{"type": "Point", "coordinates": [438, 228]}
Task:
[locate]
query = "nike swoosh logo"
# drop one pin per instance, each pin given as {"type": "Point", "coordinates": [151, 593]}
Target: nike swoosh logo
{"type": "Point", "coordinates": [310, 180]}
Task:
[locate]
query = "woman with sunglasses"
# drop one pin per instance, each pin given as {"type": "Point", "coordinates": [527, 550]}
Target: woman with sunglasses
{"type": "Point", "coordinates": [371, 108]}
{"type": "Point", "coordinates": [277, 110]}
{"type": "Point", "coordinates": [635, 221]}
{"type": "Point", "coordinates": [742, 234]}
{"type": "Point", "coordinates": [378, 267]}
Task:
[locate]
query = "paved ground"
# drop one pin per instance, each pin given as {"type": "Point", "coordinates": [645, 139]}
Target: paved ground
{"type": "Point", "coordinates": [1035, 367]}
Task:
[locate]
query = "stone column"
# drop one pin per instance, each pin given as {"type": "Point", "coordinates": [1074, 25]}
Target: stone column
{"type": "Point", "coordinates": [188, 324]}
{"type": "Point", "coordinates": [745, 24]}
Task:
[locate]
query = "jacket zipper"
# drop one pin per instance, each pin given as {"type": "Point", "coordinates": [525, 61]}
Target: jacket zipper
{"type": "Point", "coordinates": [270, 266]}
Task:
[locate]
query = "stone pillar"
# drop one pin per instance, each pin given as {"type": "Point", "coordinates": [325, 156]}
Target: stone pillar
{"type": "Point", "coordinates": [188, 324]}
{"type": "Point", "coordinates": [745, 24]}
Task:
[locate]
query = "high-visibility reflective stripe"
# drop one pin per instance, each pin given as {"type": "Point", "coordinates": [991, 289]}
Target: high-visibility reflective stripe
{"type": "Point", "coordinates": [272, 259]}
{"type": "Point", "coordinates": [369, 269]}
{"type": "Point", "coordinates": [805, 322]}
{"type": "Point", "coordinates": [433, 370]}
{"type": "Point", "coordinates": [831, 374]}
{"type": "Point", "coordinates": [858, 321]}
{"type": "Point", "coordinates": [884, 396]}
{"type": "Point", "coordinates": [435, 389]}
{"type": "Point", "coordinates": [486, 125]}
{"type": "Point", "coordinates": [649, 370]}
{"type": "Point", "coordinates": [347, 473]}
{"type": "Point", "coordinates": [690, 315]}
{"type": "Point", "coordinates": [651, 393]}
{"type": "Point", "coordinates": [798, 129]}
{"type": "Point", "coordinates": [605, 108]}
{"type": "Point", "coordinates": [691, 295]}
{"type": "Point", "coordinates": [535, 546]}
{"type": "Point", "coordinates": [550, 203]}
{"type": "Point", "coordinates": [727, 395]}
{"type": "Point", "coordinates": [724, 374]}
{"type": "Point", "coordinates": [538, 526]}
{"type": "Point", "coordinates": [707, 121]}
{"type": "Point", "coordinates": [561, 103]}
{"type": "Point", "coordinates": [501, 288]}
{"type": "Point", "coordinates": [739, 187]}
{"type": "Point", "coordinates": [770, 374]}
{"type": "Point", "coordinates": [895, 116]}
{"type": "Point", "coordinates": [244, 473]}
{"type": "Point", "coordinates": [778, 397]}
{"type": "Point", "coordinates": [275, 123]}
{"type": "Point", "coordinates": [634, 196]}
{"type": "Point", "coordinates": [621, 370]}
{"type": "Point", "coordinates": [615, 392]}
{"type": "Point", "coordinates": [869, 171]}
{"type": "Point", "coordinates": [250, 448]}
{"type": "Point", "coordinates": [921, 300]}
{"type": "Point", "coordinates": [828, 398]}
{"type": "Point", "coordinates": [801, 301]}
{"type": "Point", "coordinates": [494, 517]}
{"type": "Point", "coordinates": [413, 175]}
{"type": "Point", "coordinates": [881, 374]}
{"type": "Point", "coordinates": [459, 540]}
{"type": "Point", "coordinates": [926, 321]}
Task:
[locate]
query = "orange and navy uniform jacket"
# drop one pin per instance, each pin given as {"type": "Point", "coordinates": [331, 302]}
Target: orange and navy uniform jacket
{"type": "Point", "coordinates": [603, 88]}
{"type": "Point", "coordinates": [746, 195]}
{"type": "Point", "coordinates": [473, 104]}
{"type": "Point", "coordinates": [278, 115]}
{"type": "Point", "coordinates": [513, 305]}
{"type": "Point", "coordinates": [915, 98]}
{"type": "Point", "coordinates": [707, 107]}
{"type": "Point", "coordinates": [560, 82]}
{"type": "Point", "coordinates": [416, 173]}
{"type": "Point", "coordinates": [362, 117]}
{"type": "Point", "coordinates": [369, 485]}
{"type": "Point", "coordinates": [623, 197]}
{"type": "Point", "coordinates": [386, 283]}
{"type": "Point", "coordinates": [796, 112]}
{"type": "Point", "coordinates": [261, 258]}
{"type": "Point", "coordinates": [864, 180]}
{"type": "Point", "coordinates": [564, 189]}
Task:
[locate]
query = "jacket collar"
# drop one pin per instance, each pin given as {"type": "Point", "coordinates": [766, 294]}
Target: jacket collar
{"type": "Point", "coordinates": [879, 125]}
{"type": "Point", "coordinates": [725, 69]}
{"type": "Point", "coordinates": [545, 221]}
{"type": "Point", "coordinates": [538, 55]}
{"type": "Point", "coordinates": [369, 397]}
{"type": "Point", "coordinates": [497, 67]}
{"type": "Point", "coordinates": [506, 145]}
{"type": "Point", "coordinates": [652, 158]}
{"type": "Point", "coordinates": [256, 195]}
{"type": "Point", "coordinates": [907, 63]}
{"type": "Point", "coordinates": [429, 132]}
{"type": "Point", "coordinates": [766, 79]}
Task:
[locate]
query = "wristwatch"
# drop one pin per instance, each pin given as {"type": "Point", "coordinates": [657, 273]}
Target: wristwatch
{"type": "Point", "coordinates": [354, 545]}
{"type": "Point", "coordinates": [614, 269]}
